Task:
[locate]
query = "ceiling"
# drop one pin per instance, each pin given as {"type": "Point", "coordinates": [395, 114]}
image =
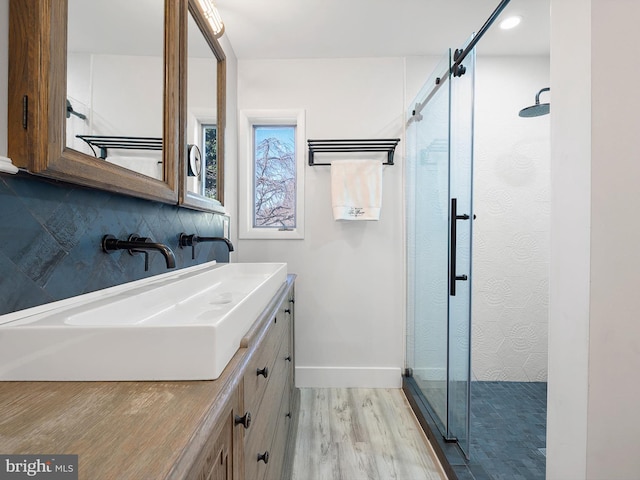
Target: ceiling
{"type": "Point", "coordinates": [275, 29]}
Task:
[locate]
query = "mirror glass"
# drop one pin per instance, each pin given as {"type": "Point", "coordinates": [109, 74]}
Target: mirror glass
{"type": "Point", "coordinates": [202, 122]}
{"type": "Point", "coordinates": [115, 80]}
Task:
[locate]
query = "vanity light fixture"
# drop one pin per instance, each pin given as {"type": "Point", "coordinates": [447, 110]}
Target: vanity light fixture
{"type": "Point", "coordinates": [213, 16]}
{"type": "Point", "coordinates": [510, 22]}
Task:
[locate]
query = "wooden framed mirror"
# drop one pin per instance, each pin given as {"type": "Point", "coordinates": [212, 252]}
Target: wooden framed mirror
{"type": "Point", "coordinates": [115, 80]}
{"type": "Point", "coordinates": [202, 77]}
{"type": "Point", "coordinates": [42, 136]}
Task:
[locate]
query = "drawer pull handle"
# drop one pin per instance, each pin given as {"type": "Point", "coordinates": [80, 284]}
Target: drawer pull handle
{"type": "Point", "coordinates": [288, 415]}
{"type": "Point", "coordinates": [262, 371]}
{"type": "Point", "coordinates": [264, 457]}
{"type": "Point", "coordinates": [288, 358]}
{"type": "Point", "coordinates": [245, 420]}
{"type": "Point", "coordinates": [287, 310]}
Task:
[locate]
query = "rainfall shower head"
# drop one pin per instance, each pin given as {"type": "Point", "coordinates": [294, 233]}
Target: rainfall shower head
{"type": "Point", "coordinates": [538, 109]}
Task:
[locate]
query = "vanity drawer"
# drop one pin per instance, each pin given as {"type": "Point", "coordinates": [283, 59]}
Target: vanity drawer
{"type": "Point", "coordinates": [260, 436]}
{"type": "Point", "coordinates": [279, 445]}
{"type": "Point", "coordinates": [255, 383]}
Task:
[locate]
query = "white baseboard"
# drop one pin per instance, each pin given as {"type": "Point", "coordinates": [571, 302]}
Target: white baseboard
{"type": "Point", "coordinates": [348, 377]}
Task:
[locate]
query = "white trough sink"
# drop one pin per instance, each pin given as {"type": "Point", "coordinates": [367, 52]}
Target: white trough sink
{"type": "Point", "coordinates": [183, 325]}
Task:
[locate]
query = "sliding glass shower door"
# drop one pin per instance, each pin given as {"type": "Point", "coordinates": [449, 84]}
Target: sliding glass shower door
{"type": "Point", "coordinates": [439, 227]}
{"type": "Point", "coordinates": [428, 230]}
{"type": "Point", "coordinates": [460, 242]}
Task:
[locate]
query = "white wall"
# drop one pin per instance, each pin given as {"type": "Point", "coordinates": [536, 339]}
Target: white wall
{"type": "Point", "coordinates": [512, 161]}
{"type": "Point", "coordinates": [613, 422]}
{"type": "Point", "coordinates": [594, 333]}
{"type": "Point", "coordinates": [570, 243]}
{"type": "Point", "coordinates": [135, 111]}
{"type": "Point", "coordinates": [511, 233]}
{"type": "Point", "coordinates": [350, 300]}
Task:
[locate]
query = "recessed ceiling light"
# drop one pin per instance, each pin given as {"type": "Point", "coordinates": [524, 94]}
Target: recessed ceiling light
{"type": "Point", "coordinates": [510, 22]}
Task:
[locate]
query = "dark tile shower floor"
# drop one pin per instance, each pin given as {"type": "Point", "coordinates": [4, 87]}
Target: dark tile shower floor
{"type": "Point", "coordinates": [508, 430]}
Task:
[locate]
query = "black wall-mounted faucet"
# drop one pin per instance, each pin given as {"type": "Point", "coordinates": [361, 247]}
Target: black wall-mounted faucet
{"type": "Point", "coordinates": [185, 240]}
{"type": "Point", "coordinates": [136, 244]}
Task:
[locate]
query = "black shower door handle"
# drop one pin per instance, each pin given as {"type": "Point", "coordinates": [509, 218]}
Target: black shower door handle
{"type": "Point", "coordinates": [453, 276]}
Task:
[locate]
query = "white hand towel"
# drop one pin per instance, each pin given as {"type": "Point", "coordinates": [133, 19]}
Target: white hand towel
{"type": "Point", "coordinates": [356, 189]}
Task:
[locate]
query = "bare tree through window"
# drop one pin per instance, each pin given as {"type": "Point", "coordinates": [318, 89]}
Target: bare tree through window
{"type": "Point", "coordinates": [275, 177]}
{"type": "Point", "coordinates": [210, 149]}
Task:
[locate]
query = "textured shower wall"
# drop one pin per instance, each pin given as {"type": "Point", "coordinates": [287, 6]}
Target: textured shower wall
{"type": "Point", "coordinates": [511, 236]}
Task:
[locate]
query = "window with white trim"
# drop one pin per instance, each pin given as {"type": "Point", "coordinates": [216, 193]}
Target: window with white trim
{"type": "Point", "coordinates": [271, 172]}
{"type": "Point", "coordinates": [209, 149]}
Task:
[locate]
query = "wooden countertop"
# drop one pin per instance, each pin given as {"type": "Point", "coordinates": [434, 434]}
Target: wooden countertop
{"type": "Point", "coordinates": [123, 430]}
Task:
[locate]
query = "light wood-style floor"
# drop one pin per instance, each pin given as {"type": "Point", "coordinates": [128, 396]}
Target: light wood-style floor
{"type": "Point", "coordinates": [360, 434]}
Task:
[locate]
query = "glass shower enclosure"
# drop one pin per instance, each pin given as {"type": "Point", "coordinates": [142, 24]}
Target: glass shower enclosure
{"type": "Point", "coordinates": [439, 236]}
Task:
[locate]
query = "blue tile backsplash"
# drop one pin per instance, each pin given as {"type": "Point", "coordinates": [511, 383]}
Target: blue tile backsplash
{"type": "Point", "coordinates": [50, 234]}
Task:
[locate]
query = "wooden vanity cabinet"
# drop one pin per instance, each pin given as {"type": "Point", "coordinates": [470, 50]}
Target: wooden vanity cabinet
{"type": "Point", "coordinates": [181, 430]}
{"type": "Point", "coordinates": [269, 394]}
{"type": "Point", "coordinates": [260, 448]}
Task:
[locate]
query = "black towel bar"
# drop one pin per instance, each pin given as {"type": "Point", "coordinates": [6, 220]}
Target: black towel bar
{"type": "Point", "coordinates": [104, 142]}
{"type": "Point", "coordinates": [387, 145]}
